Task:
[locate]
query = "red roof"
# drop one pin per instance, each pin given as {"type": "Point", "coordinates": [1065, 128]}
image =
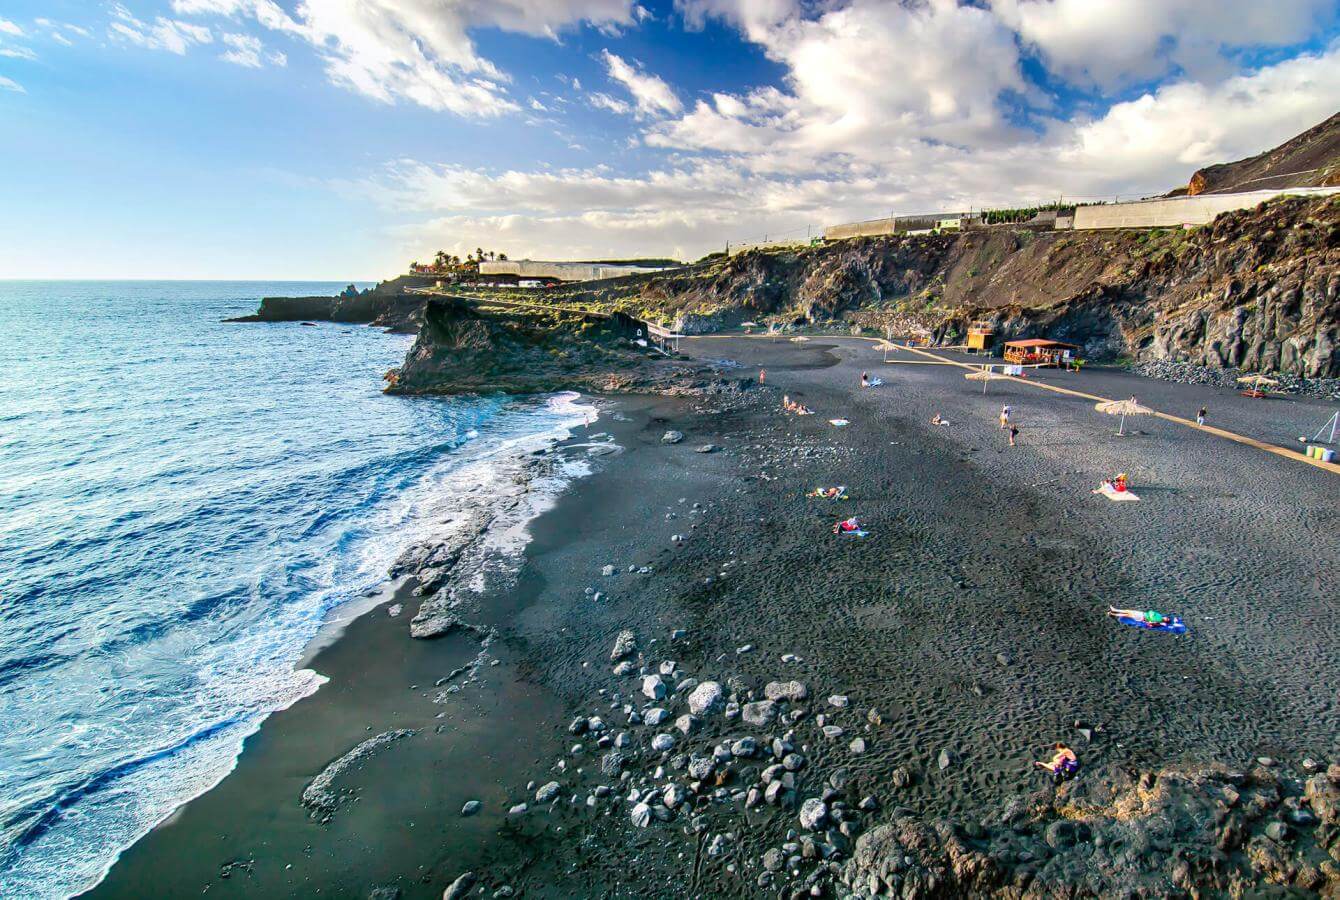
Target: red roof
{"type": "Point", "coordinates": [1038, 342]}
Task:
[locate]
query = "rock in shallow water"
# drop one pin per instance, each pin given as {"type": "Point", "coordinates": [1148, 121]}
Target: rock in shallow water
{"type": "Point", "coordinates": [672, 437]}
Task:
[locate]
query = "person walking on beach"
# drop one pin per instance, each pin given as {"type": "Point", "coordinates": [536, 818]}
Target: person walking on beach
{"type": "Point", "coordinates": [1200, 416]}
{"type": "Point", "coordinates": [1005, 416]}
{"type": "Point", "coordinates": [762, 376]}
{"type": "Point", "coordinates": [1014, 432]}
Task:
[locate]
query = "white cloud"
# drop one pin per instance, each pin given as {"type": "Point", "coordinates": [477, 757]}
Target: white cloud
{"type": "Point", "coordinates": [701, 200]}
{"type": "Point", "coordinates": [651, 95]}
{"type": "Point", "coordinates": [171, 35]}
{"type": "Point", "coordinates": [1113, 42]}
{"type": "Point", "coordinates": [612, 104]}
{"type": "Point", "coordinates": [419, 50]}
{"type": "Point", "coordinates": [10, 28]}
{"type": "Point", "coordinates": [17, 53]}
{"type": "Point", "coordinates": [9, 84]}
{"type": "Point", "coordinates": [247, 50]}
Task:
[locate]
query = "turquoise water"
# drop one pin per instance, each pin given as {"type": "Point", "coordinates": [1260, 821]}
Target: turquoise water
{"type": "Point", "coordinates": [182, 502]}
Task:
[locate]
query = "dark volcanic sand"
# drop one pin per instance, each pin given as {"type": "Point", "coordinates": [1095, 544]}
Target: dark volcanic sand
{"type": "Point", "coordinates": [975, 550]}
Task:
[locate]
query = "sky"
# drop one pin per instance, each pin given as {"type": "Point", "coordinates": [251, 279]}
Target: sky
{"type": "Point", "coordinates": [343, 139]}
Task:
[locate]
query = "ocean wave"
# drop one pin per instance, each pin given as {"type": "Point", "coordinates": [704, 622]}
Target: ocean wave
{"type": "Point", "coordinates": [182, 531]}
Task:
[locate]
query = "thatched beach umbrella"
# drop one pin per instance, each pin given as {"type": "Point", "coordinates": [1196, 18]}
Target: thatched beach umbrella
{"type": "Point", "coordinates": [1123, 408]}
{"type": "Point", "coordinates": [799, 339]}
{"type": "Point", "coordinates": [1258, 381]}
{"type": "Point", "coordinates": [985, 376]}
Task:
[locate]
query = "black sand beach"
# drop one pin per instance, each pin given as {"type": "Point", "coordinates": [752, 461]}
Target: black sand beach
{"type": "Point", "coordinates": [961, 638]}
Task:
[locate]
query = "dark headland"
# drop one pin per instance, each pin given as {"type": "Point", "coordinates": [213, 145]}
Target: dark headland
{"type": "Point", "coordinates": [693, 687]}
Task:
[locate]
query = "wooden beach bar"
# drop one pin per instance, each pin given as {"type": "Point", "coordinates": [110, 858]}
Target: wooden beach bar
{"type": "Point", "coordinates": [1038, 352]}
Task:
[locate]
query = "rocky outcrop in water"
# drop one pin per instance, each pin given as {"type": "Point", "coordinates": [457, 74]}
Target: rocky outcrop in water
{"type": "Point", "coordinates": [463, 350]}
{"type": "Point", "coordinates": [389, 305]}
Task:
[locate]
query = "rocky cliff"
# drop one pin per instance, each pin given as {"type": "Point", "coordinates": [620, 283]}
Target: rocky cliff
{"type": "Point", "coordinates": [1258, 289]}
{"type": "Point", "coordinates": [461, 350]}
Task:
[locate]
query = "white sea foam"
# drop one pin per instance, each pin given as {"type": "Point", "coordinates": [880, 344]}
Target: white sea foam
{"type": "Point", "coordinates": [69, 857]}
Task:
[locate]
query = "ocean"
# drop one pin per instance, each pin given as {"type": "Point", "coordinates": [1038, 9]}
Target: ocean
{"type": "Point", "coordinates": [183, 503]}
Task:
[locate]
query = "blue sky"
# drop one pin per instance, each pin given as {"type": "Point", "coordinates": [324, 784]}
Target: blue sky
{"type": "Point", "coordinates": [340, 139]}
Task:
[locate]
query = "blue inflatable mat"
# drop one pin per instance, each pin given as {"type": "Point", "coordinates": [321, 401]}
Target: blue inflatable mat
{"type": "Point", "coordinates": [1174, 625]}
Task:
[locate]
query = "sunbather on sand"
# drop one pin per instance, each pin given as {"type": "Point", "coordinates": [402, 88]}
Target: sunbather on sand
{"type": "Point", "coordinates": [938, 419]}
{"type": "Point", "coordinates": [1063, 764]}
{"type": "Point", "coordinates": [846, 526]}
{"type": "Point", "coordinates": [1148, 616]}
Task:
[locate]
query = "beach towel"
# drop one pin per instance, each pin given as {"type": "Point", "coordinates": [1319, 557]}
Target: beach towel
{"type": "Point", "coordinates": [1173, 624]}
{"type": "Point", "coordinates": [1113, 494]}
{"type": "Point", "coordinates": [820, 493]}
{"type": "Point", "coordinates": [874, 382]}
{"type": "Point", "coordinates": [839, 422]}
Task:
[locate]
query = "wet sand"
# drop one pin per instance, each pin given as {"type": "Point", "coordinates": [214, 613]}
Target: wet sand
{"type": "Point", "coordinates": [971, 618]}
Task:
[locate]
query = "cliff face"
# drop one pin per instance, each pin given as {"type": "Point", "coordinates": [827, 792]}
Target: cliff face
{"type": "Point", "coordinates": [1257, 289]}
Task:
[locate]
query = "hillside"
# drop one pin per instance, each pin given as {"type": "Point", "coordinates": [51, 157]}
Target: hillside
{"type": "Point", "coordinates": [1311, 159]}
{"type": "Point", "coordinates": [1257, 289]}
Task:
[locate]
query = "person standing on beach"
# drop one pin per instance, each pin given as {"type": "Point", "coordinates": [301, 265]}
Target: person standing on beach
{"type": "Point", "coordinates": [1014, 432]}
{"type": "Point", "coordinates": [1005, 416]}
{"type": "Point", "coordinates": [1200, 416]}
{"type": "Point", "coordinates": [762, 376]}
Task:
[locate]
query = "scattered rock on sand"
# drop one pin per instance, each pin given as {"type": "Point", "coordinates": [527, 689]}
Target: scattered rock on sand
{"type": "Point", "coordinates": [471, 807]}
{"type": "Point", "coordinates": [705, 698]}
{"type": "Point", "coordinates": [706, 448]}
{"type": "Point", "coordinates": [672, 437]}
{"type": "Point", "coordinates": [518, 810]}
{"type": "Point", "coordinates": [547, 792]}
{"type": "Point", "coordinates": [813, 813]}
{"type": "Point", "coordinates": [946, 759]}
{"type": "Point", "coordinates": [760, 713]}
{"type": "Point", "coordinates": [624, 645]}
{"type": "Point", "coordinates": [857, 745]}
{"type": "Point", "coordinates": [641, 815]}
{"type": "Point", "coordinates": [320, 795]}
{"type": "Point", "coordinates": [607, 571]}
{"type": "Point", "coordinates": [459, 888]}
{"type": "Point", "coordinates": [653, 687]}
{"type": "Point", "coordinates": [655, 715]}
{"type": "Point", "coordinates": [687, 724]}
{"type": "Point", "coordinates": [663, 742]}
{"type": "Point", "coordinates": [792, 691]}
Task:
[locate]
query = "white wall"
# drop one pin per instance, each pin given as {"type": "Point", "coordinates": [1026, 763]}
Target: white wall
{"type": "Point", "coordinates": [1175, 212]}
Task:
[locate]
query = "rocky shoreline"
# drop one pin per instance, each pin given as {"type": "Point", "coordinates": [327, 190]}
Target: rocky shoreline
{"type": "Point", "coordinates": [1189, 373]}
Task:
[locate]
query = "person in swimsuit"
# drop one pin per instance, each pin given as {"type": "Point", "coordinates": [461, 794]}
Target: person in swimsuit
{"type": "Point", "coordinates": [1063, 764]}
{"type": "Point", "coordinates": [1150, 617]}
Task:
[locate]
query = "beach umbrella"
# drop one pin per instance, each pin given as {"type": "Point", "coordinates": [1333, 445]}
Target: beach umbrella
{"type": "Point", "coordinates": [800, 339]}
{"type": "Point", "coordinates": [985, 376]}
{"type": "Point", "coordinates": [749, 325]}
{"type": "Point", "coordinates": [1258, 381]}
{"type": "Point", "coordinates": [1123, 408]}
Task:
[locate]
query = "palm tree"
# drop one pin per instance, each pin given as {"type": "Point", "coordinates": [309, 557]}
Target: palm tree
{"type": "Point", "coordinates": [502, 257]}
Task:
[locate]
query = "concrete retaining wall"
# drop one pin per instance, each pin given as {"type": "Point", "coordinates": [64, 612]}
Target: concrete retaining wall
{"type": "Point", "coordinates": [1174, 212]}
{"type": "Point", "coordinates": [561, 271]}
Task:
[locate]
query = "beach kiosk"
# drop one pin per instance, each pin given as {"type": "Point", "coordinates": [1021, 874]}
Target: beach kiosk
{"type": "Point", "coordinates": [980, 334]}
{"type": "Point", "coordinates": [1038, 352]}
